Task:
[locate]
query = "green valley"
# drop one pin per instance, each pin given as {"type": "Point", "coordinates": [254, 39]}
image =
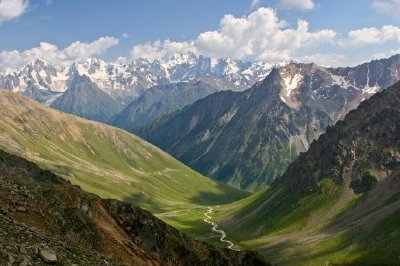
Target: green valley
{"type": "Point", "coordinates": [110, 162]}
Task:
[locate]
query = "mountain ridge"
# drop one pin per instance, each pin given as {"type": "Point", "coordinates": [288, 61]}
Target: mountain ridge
{"type": "Point", "coordinates": [83, 98]}
{"type": "Point", "coordinates": [337, 203]}
{"type": "Point", "coordinates": [162, 100]}
{"type": "Point", "coordinates": [124, 81]}
{"type": "Point", "coordinates": [253, 135]}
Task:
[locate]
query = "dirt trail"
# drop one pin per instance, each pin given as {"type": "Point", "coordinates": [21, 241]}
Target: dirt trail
{"type": "Point", "coordinates": [216, 230]}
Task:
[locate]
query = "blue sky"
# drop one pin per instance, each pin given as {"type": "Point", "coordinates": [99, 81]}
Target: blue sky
{"type": "Point", "coordinates": [270, 31]}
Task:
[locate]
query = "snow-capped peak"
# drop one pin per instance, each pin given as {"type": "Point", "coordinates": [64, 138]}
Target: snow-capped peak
{"type": "Point", "coordinates": [122, 79]}
{"type": "Point", "coordinates": [180, 59]}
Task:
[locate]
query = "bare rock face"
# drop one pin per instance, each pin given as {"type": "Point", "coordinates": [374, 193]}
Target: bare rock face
{"type": "Point", "coordinates": [83, 98]}
{"type": "Point", "coordinates": [48, 256]}
{"type": "Point", "coordinates": [361, 151]}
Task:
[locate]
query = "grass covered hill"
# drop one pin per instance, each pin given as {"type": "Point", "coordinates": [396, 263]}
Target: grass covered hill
{"type": "Point", "coordinates": [45, 220]}
{"type": "Point", "coordinates": [108, 162]}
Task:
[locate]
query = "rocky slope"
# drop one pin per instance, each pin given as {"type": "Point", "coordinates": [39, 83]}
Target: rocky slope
{"type": "Point", "coordinates": [166, 99]}
{"type": "Point", "coordinates": [339, 202]}
{"type": "Point", "coordinates": [83, 98]}
{"type": "Point", "coordinates": [248, 138]}
{"type": "Point", "coordinates": [46, 220]}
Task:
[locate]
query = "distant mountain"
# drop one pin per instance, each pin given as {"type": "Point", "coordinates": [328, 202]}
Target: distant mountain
{"type": "Point", "coordinates": [185, 67]}
{"type": "Point", "coordinates": [165, 99]}
{"type": "Point", "coordinates": [38, 80]}
{"type": "Point", "coordinates": [248, 138]}
{"type": "Point", "coordinates": [83, 98]}
{"type": "Point", "coordinates": [45, 220]}
{"type": "Point", "coordinates": [122, 81]}
{"type": "Point", "coordinates": [338, 203]}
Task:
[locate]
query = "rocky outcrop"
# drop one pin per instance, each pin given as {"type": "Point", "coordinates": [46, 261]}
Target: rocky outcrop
{"type": "Point", "coordinates": [64, 225]}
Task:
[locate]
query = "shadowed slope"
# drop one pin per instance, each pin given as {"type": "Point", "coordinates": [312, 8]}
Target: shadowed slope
{"type": "Point", "coordinates": [337, 203]}
{"type": "Point", "coordinates": [249, 138]}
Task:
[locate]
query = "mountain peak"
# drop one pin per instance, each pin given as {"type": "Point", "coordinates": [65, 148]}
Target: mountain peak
{"type": "Point", "coordinates": [78, 80]}
{"type": "Point", "coordinates": [38, 61]}
{"type": "Point", "coordinates": [38, 65]}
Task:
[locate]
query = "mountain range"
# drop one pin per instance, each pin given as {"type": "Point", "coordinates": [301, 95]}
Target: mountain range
{"type": "Point", "coordinates": [336, 203]}
{"type": "Point", "coordinates": [124, 81]}
{"type": "Point", "coordinates": [248, 138]}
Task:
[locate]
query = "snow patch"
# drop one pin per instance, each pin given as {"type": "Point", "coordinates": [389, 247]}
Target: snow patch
{"type": "Point", "coordinates": [292, 83]}
{"type": "Point", "coordinates": [341, 81]}
{"type": "Point", "coordinates": [371, 89]}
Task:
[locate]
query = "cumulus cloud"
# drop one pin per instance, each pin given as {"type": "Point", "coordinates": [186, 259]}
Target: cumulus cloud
{"type": "Point", "coordinates": [384, 55]}
{"type": "Point", "coordinates": [330, 60]}
{"type": "Point", "coordinates": [75, 52]}
{"type": "Point", "coordinates": [296, 4]}
{"type": "Point", "coordinates": [10, 9]}
{"type": "Point", "coordinates": [162, 50]}
{"type": "Point", "coordinates": [378, 56]}
{"type": "Point", "coordinates": [260, 36]}
{"type": "Point", "coordinates": [395, 51]}
{"type": "Point", "coordinates": [366, 36]}
{"type": "Point", "coordinates": [387, 7]}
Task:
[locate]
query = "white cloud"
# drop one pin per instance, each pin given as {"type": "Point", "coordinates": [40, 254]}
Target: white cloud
{"type": "Point", "coordinates": [255, 4]}
{"type": "Point", "coordinates": [384, 55]}
{"type": "Point", "coordinates": [125, 35]}
{"type": "Point", "coordinates": [258, 36]}
{"type": "Point", "coordinates": [378, 56]}
{"type": "Point", "coordinates": [75, 52]}
{"type": "Point", "coordinates": [296, 4]}
{"type": "Point", "coordinates": [10, 9]}
{"type": "Point", "coordinates": [331, 60]}
{"type": "Point", "coordinates": [393, 52]}
{"type": "Point", "coordinates": [366, 36]}
{"type": "Point", "coordinates": [387, 7]}
{"type": "Point", "coordinates": [160, 50]}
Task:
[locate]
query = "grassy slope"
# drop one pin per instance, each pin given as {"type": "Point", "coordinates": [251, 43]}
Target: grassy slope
{"type": "Point", "coordinates": [314, 231]}
{"type": "Point", "coordinates": [311, 216]}
{"type": "Point", "coordinates": [110, 162]}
